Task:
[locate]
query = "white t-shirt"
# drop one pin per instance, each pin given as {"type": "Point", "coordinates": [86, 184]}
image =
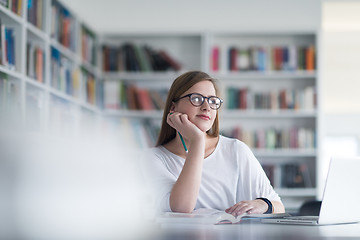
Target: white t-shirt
{"type": "Point", "coordinates": [230, 174]}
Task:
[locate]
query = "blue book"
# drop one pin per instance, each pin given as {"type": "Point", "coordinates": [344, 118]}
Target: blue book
{"type": "Point", "coordinates": [285, 58]}
{"type": "Point", "coordinates": [10, 46]}
{"type": "Point", "coordinates": [261, 60]}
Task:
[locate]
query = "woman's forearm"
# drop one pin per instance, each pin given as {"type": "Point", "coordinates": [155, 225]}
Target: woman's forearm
{"type": "Point", "coordinates": [278, 207]}
{"type": "Point", "coordinates": [185, 191]}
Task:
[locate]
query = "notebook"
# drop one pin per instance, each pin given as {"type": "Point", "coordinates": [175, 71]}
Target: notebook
{"type": "Point", "coordinates": [341, 196]}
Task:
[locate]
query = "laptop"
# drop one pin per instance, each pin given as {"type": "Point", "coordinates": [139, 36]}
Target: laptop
{"type": "Point", "coordinates": [341, 197]}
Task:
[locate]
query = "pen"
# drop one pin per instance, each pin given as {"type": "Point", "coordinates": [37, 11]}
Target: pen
{"type": "Point", "coordinates": [183, 142]}
{"type": "Point", "coordinates": [182, 139]}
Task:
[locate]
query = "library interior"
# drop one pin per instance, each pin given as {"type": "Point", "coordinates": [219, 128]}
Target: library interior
{"type": "Point", "coordinates": [83, 86]}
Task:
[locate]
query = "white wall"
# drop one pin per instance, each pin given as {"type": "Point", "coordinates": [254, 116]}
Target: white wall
{"type": "Point", "coordinates": [116, 16]}
{"type": "Point", "coordinates": [340, 80]}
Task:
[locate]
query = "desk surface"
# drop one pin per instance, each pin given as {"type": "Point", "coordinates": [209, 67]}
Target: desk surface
{"type": "Point", "coordinates": [170, 231]}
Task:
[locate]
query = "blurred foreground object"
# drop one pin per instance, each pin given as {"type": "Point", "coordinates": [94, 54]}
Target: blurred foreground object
{"type": "Point", "coordinates": [53, 187]}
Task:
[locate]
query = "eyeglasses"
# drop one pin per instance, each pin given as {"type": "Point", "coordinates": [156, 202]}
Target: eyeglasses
{"type": "Point", "coordinates": [196, 99]}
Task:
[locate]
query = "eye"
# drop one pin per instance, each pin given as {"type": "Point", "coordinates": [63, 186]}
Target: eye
{"type": "Point", "coordinates": [214, 100]}
{"type": "Point", "coordinates": [196, 99]}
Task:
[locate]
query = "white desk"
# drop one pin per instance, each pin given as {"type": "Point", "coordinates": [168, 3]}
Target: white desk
{"type": "Point", "coordinates": [247, 231]}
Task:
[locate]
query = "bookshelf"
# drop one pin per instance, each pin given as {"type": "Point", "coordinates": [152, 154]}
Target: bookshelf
{"type": "Point", "coordinates": [48, 69]}
{"type": "Point", "coordinates": [65, 77]}
{"type": "Point", "coordinates": [277, 72]}
{"type": "Point", "coordinates": [269, 81]}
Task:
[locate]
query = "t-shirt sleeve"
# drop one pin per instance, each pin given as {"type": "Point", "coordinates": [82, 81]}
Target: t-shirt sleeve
{"type": "Point", "coordinates": [158, 178]}
{"type": "Point", "coordinates": [253, 182]}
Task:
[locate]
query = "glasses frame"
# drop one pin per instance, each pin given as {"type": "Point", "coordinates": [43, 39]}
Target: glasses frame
{"type": "Point", "coordinates": [203, 97]}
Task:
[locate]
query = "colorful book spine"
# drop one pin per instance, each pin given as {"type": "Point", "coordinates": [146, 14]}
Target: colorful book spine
{"type": "Point", "coordinates": [88, 46]}
{"type": "Point", "coordinates": [296, 99]}
{"type": "Point", "coordinates": [274, 58]}
{"type": "Point", "coordinates": [271, 138]}
{"type": "Point", "coordinates": [134, 58]}
{"type": "Point", "coordinates": [35, 56]}
{"type": "Point", "coordinates": [63, 26]}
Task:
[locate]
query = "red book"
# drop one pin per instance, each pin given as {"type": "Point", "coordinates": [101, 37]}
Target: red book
{"type": "Point", "coordinates": [215, 59]}
{"type": "Point", "coordinates": [283, 104]}
{"type": "Point", "coordinates": [39, 64]}
{"type": "Point", "coordinates": [144, 100]}
{"type": "Point", "coordinates": [234, 53]}
{"type": "Point", "coordinates": [174, 64]}
{"type": "Point", "coordinates": [310, 58]}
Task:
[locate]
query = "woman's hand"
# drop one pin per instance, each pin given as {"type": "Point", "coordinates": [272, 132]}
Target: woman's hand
{"type": "Point", "coordinates": [181, 123]}
{"type": "Point", "coordinates": [251, 206]}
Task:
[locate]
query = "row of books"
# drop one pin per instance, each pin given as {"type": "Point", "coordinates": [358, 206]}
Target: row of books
{"type": "Point", "coordinates": [14, 5]}
{"type": "Point", "coordinates": [131, 57]}
{"type": "Point", "coordinates": [35, 62]}
{"type": "Point", "coordinates": [271, 138]}
{"type": "Point", "coordinates": [63, 26]}
{"type": "Point", "coordinates": [289, 175]}
{"type": "Point", "coordinates": [92, 90]}
{"type": "Point", "coordinates": [89, 87]}
{"type": "Point", "coordinates": [75, 82]}
{"type": "Point", "coordinates": [62, 74]}
{"type": "Point", "coordinates": [88, 46]}
{"type": "Point", "coordinates": [132, 133]}
{"type": "Point", "coordinates": [245, 98]}
{"type": "Point", "coordinates": [120, 95]}
{"type": "Point", "coordinates": [35, 10]}
{"type": "Point", "coordinates": [7, 46]}
{"type": "Point", "coordinates": [259, 58]}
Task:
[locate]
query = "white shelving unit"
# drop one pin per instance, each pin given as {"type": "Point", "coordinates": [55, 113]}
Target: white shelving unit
{"type": "Point", "coordinates": [42, 104]}
{"type": "Point", "coordinates": [251, 118]}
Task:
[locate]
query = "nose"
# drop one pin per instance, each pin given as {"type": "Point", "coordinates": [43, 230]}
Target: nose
{"type": "Point", "coordinates": [205, 106]}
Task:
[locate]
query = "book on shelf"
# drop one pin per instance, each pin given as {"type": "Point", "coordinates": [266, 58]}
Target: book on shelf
{"type": "Point", "coordinates": [89, 87]}
{"type": "Point", "coordinates": [271, 138]}
{"type": "Point", "coordinates": [273, 58]}
{"type": "Point", "coordinates": [35, 12]}
{"type": "Point", "coordinates": [35, 64]}
{"type": "Point", "coordinates": [120, 95]}
{"type": "Point", "coordinates": [134, 58]}
{"type": "Point", "coordinates": [112, 97]}
{"type": "Point", "coordinates": [62, 26]}
{"type": "Point", "coordinates": [63, 74]}
{"type": "Point", "coordinates": [295, 175]}
{"type": "Point", "coordinates": [88, 46]}
{"type": "Point", "coordinates": [288, 175]}
{"type": "Point", "coordinates": [215, 59]}
{"type": "Point", "coordinates": [14, 5]}
{"type": "Point", "coordinates": [245, 98]}
{"type": "Point", "coordinates": [269, 170]}
{"type": "Point", "coordinates": [7, 46]}
{"type": "Point", "coordinates": [144, 100]}
{"type": "Point", "coordinates": [213, 216]}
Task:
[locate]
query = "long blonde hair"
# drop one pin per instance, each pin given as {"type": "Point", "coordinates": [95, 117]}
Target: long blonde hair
{"type": "Point", "coordinates": [180, 85]}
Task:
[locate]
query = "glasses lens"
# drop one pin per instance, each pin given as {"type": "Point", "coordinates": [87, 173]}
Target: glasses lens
{"type": "Point", "coordinates": [196, 99]}
{"type": "Point", "coordinates": [214, 102]}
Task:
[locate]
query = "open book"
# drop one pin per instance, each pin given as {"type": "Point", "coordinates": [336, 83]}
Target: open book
{"type": "Point", "coordinates": [213, 216]}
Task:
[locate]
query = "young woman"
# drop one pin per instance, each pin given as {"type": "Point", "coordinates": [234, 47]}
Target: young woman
{"type": "Point", "coordinates": [217, 172]}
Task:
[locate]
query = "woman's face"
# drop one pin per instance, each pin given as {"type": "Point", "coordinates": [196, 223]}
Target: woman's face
{"type": "Point", "coordinates": [203, 116]}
